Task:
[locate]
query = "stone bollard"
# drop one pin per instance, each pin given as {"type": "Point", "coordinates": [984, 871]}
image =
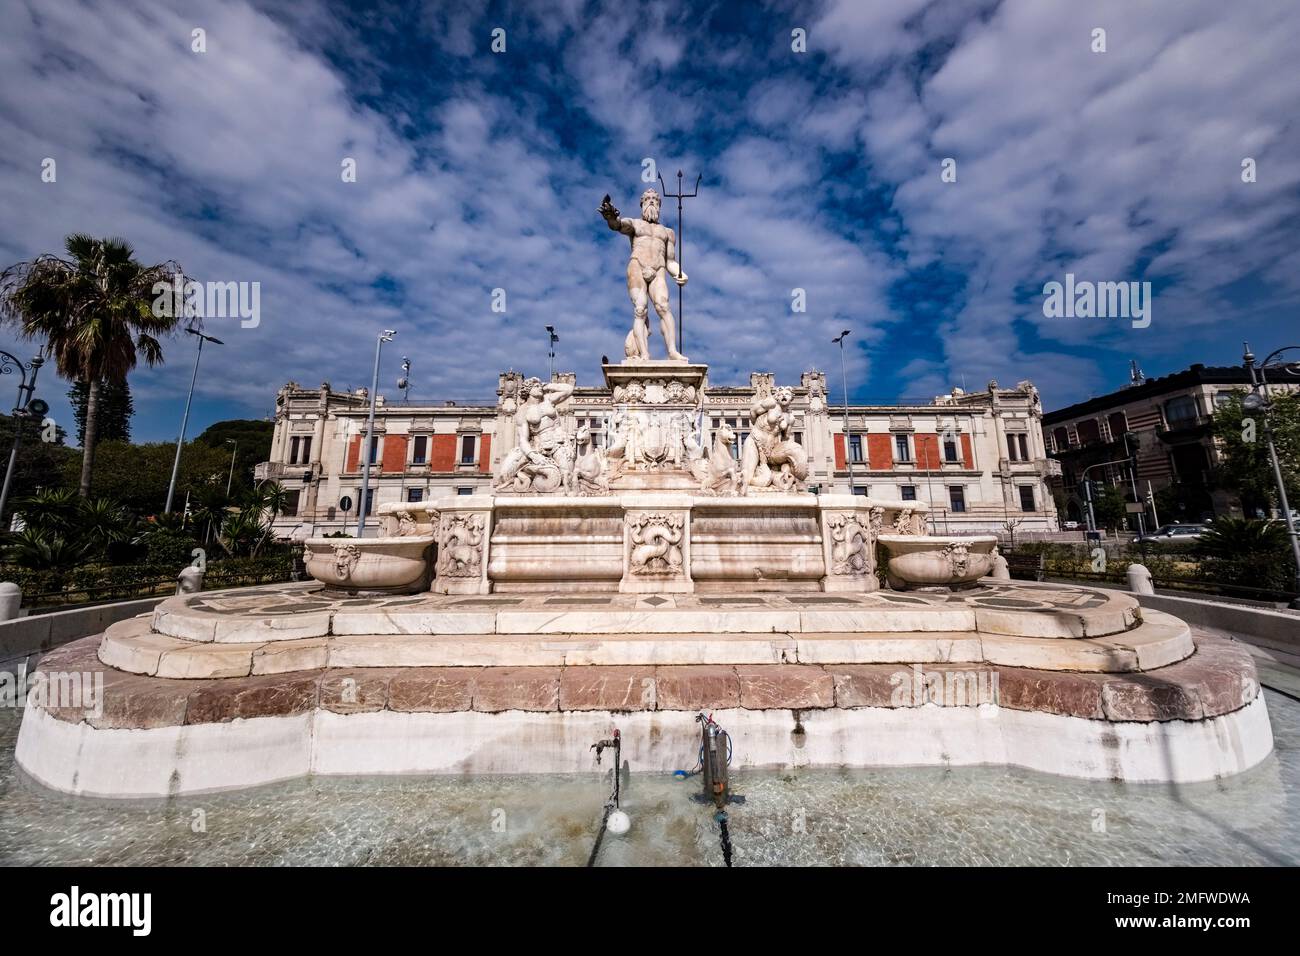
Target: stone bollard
{"type": "Point", "coordinates": [11, 598]}
{"type": "Point", "coordinates": [190, 580]}
{"type": "Point", "coordinates": [1139, 580]}
{"type": "Point", "coordinates": [1001, 570]}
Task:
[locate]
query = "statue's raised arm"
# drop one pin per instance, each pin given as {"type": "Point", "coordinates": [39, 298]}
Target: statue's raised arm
{"type": "Point", "coordinates": [613, 219]}
{"type": "Point", "coordinates": [557, 392]}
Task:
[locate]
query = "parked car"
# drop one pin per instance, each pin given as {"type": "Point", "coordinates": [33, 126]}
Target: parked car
{"type": "Point", "coordinates": [1069, 526]}
{"type": "Point", "coordinates": [1174, 532]}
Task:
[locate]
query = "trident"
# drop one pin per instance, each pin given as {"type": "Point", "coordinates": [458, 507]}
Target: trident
{"type": "Point", "coordinates": [679, 196]}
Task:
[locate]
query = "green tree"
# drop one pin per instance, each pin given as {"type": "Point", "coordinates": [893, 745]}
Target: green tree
{"type": "Point", "coordinates": [1245, 466]}
{"type": "Point", "coordinates": [115, 410]}
{"type": "Point", "coordinates": [137, 475]}
{"type": "Point", "coordinates": [40, 464]}
{"type": "Point", "coordinates": [253, 438]}
{"type": "Point", "coordinates": [95, 310]}
{"type": "Point", "coordinates": [1110, 508]}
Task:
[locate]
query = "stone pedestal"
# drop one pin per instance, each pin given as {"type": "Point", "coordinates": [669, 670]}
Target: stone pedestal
{"type": "Point", "coordinates": [850, 524]}
{"type": "Point", "coordinates": [656, 544]}
{"type": "Point", "coordinates": [764, 542]}
{"type": "Point", "coordinates": [464, 535]}
{"type": "Point", "coordinates": [663, 542]}
{"type": "Point", "coordinates": [655, 382]}
{"type": "Point", "coordinates": [555, 543]}
{"type": "Point", "coordinates": [656, 414]}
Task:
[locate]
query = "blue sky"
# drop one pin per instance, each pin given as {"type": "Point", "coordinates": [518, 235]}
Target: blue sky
{"type": "Point", "coordinates": [822, 172]}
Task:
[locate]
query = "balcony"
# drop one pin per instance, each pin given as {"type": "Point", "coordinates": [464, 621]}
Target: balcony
{"type": "Point", "coordinates": [1185, 429]}
{"type": "Point", "coordinates": [278, 471]}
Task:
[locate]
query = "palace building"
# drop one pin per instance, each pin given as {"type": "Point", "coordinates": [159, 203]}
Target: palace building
{"type": "Point", "coordinates": [977, 459]}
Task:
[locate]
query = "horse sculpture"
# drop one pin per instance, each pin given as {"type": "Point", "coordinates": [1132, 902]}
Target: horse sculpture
{"type": "Point", "coordinates": [717, 473]}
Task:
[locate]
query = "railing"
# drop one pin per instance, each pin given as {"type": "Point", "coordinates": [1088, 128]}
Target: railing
{"type": "Point", "coordinates": [74, 595]}
{"type": "Point", "coordinates": [1162, 578]}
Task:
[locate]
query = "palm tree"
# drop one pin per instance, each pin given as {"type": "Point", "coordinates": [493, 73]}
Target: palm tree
{"type": "Point", "coordinates": [96, 310]}
{"type": "Point", "coordinates": [268, 501]}
{"type": "Point", "coordinates": [1231, 538]}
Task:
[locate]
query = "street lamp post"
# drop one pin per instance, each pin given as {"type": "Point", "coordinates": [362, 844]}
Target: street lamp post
{"type": "Point", "coordinates": [553, 338]}
{"type": "Point", "coordinates": [233, 452]}
{"type": "Point", "coordinates": [384, 336]}
{"type": "Point", "coordinates": [844, 376]}
{"type": "Point", "coordinates": [1257, 401]}
{"type": "Point", "coordinates": [185, 419]}
{"type": "Point", "coordinates": [21, 411]}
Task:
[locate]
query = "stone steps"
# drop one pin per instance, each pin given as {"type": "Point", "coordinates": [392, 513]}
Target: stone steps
{"type": "Point", "coordinates": [299, 612]}
{"type": "Point", "coordinates": [133, 647]}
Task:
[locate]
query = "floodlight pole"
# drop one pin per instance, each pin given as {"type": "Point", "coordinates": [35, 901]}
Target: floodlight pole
{"type": "Point", "coordinates": [384, 336]}
{"type": "Point", "coordinates": [844, 376]}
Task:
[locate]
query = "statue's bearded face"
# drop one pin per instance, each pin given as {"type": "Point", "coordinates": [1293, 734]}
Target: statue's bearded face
{"type": "Point", "coordinates": [650, 210]}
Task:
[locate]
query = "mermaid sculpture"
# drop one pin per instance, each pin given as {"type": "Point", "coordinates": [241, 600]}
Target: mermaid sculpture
{"type": "Point", "coordinates": [542, 460]}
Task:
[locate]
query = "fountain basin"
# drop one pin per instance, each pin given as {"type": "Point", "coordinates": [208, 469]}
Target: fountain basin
{"type": "Point", "coordinates": [937, 560]}
{"type": "Point", "coordinates": [370, 565]}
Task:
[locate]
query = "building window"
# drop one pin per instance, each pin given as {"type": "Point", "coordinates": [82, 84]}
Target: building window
{"type": "Point", "coordinates": [1181, 409]}
{"type": "Point", "coordinates": [861, 490]}
{"type": "Point", "coordinates": [300, 449]}
{"type": "Point", "coordinates": [902, 449]}
{"type": "Point", "coordinates": [467, 449]}
{"type": "Point", "coordinates": [1118, 424]}
{"type": "Point", "coordinates": [1089, 431]}
{"type": "Point", "coordinates": [957, 498]}
{"type": "Point", "coordinates": [855, 449]}
{"type": "Point", "coordinates": [420, 450]}
{"type": "Point", "coordinates": [909, 492]}
{"type": "Point", "coordinates": [798, 438]}
{"type": "Point", "coordinates": [1061, 438]}
{"type": "Point", "coordinates": [370, 500]}
{"type": "Point", "coordinates": [1018, 446]}
{"type": "Point", "coordinates": [374, 448]}
{"type": "Point", "coordinates": [1027, 498]}
{"type": "Point", "coordinates": [950, 449]}
{"type": "Point", "coordinates": [290, 504]}
{"type": "Point", "coordinates": [464, 491]}
{"type": "Point", "coordinates": [596, 426]}
{"type": "Point", "coordinates": [414, 494]}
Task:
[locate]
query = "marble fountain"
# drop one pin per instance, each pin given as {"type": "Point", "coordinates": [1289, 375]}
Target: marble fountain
{"type": "Point", "coordinates": [636, 585]}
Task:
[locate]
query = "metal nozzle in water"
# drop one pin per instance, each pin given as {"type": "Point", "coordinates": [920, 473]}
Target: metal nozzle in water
{"type": "Point", "coordinates": [714, 743]}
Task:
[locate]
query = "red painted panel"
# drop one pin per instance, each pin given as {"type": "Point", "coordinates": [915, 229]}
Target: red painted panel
{"type": "Point", "coordinates": [967, 456]}
{"type": "Point", "coordinates": [394, 452]}
{"type": "Point", "coordinates": [927, 450]}
{"type": "Point", "coordinates": [880, 452]}
{"type": "Point", "coordinates": [841, 462]}
{"type": "Point", "coordinates": [354, 455]}
{"type": "Point", "coordinates": [442, 452]}
{"type": "Point", "coordinates": [485, 454]}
